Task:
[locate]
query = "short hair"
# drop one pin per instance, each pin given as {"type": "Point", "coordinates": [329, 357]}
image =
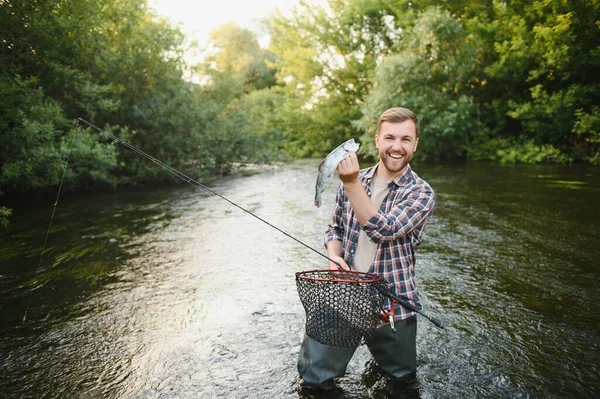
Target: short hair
{"type": "Point", "coordinates": [397, 115]}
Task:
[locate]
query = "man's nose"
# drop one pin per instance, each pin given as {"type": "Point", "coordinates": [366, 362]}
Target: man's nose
{"type": "Point", "coordinates": [397, 146]}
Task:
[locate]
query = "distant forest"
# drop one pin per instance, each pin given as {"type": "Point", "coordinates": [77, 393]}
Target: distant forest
{"type": "Point", "coordinates": [501, 81]}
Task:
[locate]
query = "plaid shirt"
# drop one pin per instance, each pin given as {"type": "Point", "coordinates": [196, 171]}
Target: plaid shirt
{"type": "Point", "coordinates": [396, 228]}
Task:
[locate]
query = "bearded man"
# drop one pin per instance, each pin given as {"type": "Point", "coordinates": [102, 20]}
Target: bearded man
{"type": "Point", "coordinates": [376, 227]}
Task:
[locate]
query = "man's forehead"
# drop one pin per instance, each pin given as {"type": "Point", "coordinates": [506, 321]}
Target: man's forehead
{"type": "Point", "coordinates": [407, 127]}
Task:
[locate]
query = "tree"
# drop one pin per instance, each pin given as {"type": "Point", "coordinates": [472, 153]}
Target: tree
{"type": "Point", "coordinates": [541, 87]}
{"type": "Point", "coordinates": [432, 74]}
{"type": "Point", "coordinates": [236, 62]}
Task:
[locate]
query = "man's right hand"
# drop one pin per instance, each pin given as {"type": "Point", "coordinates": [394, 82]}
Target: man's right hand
{"type": "Point", "coordinates": [340, 260]}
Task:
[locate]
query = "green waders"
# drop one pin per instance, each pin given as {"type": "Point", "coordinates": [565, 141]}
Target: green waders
{"type": "Point", "coordinates": [395, 354]}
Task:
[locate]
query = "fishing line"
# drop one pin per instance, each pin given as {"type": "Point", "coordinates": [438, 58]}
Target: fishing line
{"type": "Point", "coordinates": [62, 179]}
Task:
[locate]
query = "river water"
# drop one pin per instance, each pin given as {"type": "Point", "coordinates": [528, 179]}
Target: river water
{"type": "Point", "coordinates": [175, 293]}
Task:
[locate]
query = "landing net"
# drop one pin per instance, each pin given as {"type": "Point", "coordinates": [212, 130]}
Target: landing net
{"type": "Point", "coordinates": [343, 308]}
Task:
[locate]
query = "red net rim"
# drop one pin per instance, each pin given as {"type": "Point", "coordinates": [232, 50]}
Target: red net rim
{"type": "Point", "coordinates": [361, 277]}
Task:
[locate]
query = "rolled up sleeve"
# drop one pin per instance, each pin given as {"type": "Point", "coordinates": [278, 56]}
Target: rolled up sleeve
{"type": "Point", "coordinates": [404, 217]}
{"type": "Point", "coordinates": [334, 230]}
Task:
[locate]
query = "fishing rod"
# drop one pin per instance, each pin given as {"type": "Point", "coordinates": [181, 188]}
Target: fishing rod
{"type": "Point", "coordinates": [197, 185]}
{"type": "Point", "coordinates": [194, 183]}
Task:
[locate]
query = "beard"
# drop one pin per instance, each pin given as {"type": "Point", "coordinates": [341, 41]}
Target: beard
{"type": "Point", "coordinates": [394, 165]}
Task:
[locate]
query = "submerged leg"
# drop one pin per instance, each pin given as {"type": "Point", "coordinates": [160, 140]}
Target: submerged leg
{"type": "Point", "coordinates": [319, 364]}
{"type": "Point", "coordinates": [396, 353]}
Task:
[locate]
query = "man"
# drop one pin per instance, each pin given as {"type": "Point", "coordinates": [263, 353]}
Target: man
{"type": "Point", "coordinates": [376, 227]}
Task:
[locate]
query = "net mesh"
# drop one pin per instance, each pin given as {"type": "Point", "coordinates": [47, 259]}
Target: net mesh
{"type": "Point", "coordinates": [342, 307]}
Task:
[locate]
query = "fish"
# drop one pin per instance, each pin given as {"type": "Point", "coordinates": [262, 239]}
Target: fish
{"type": "Point", "coordinates": [330, 164]}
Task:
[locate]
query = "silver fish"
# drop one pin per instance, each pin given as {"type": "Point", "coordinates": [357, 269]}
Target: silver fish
{"type": "Point", "coordinates": [329, 165]}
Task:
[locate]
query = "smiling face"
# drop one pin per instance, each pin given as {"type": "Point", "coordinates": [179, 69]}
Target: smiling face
{"type": "Point", "coordinates": [396, 142]}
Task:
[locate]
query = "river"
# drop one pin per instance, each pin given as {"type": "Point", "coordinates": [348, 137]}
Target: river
{"type": "Point", "coordinates": [172, 292]}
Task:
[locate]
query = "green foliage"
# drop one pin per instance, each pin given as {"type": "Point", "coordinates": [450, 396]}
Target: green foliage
{"type": "Point", "coordinates": [99, 60]}
{"type": "Point", "coordinates": [35, 145]}
{"type": "Point", "coordinates": [236, 63]}
{"type": "Point", "coordinates": [519, 150]}
{"type": "Point", "coordinates": [30, 128]}
{"type": "Point", "coordinates": [92, 157]}
{"type": "Point", "coordinates": [246, 131]}
{"type": "Point", "coordinates": [588, 124]}
{"type": "Point", "coordinates": [525, 151]}
{"type": "Point", "coordinates": [538, 75]}
{"type": "Point", "coordinates": [4, 216]}
{"type": "Point", "coordinates": [587, 127]}
{"type": "Point", "coordinates": [312, 132]}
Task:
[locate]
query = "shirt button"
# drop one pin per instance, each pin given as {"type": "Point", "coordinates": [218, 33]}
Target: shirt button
{"type": "Point", "coordinates": [351, 251]}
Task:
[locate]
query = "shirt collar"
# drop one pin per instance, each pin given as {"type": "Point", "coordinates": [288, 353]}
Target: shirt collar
{"type": "Point", "coordinates": [399, 181]}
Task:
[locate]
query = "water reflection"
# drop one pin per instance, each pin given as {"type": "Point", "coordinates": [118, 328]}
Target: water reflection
{"type": "Point", "coordinates": [174, 293]}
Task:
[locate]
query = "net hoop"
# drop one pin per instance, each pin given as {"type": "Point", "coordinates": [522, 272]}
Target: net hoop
{"type": "Point", "coordinates": [319, 275]}
{"type": "Point", "coordinates": [343, 307]}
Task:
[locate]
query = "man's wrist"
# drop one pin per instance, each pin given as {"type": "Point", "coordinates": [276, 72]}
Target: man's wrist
{"type": "Point", "coordinates": [351, 185]}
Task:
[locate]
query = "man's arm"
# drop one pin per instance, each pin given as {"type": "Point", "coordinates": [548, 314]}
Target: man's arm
{"type": "Point", "coordinates": [361, 203]}
{"type": "Point", "coordinates": [359, 199]}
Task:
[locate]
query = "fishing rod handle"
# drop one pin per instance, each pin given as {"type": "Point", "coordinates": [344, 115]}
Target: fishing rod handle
{"type": "Point", "coordinates": [436, 322]}
{"type": "Point", "coordinates": [409, 306]}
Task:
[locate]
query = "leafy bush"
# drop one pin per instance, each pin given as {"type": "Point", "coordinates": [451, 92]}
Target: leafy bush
{"type": "Point", "coordinates": [4, 215]}
{"type": "Point", "coordinates": [587, 127]}
{"type": "Point", "coordinates": [510, 151]}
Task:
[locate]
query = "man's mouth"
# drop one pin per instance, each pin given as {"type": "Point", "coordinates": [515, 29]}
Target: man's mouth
{"type": "Point", "coordinates": [396, 156]}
